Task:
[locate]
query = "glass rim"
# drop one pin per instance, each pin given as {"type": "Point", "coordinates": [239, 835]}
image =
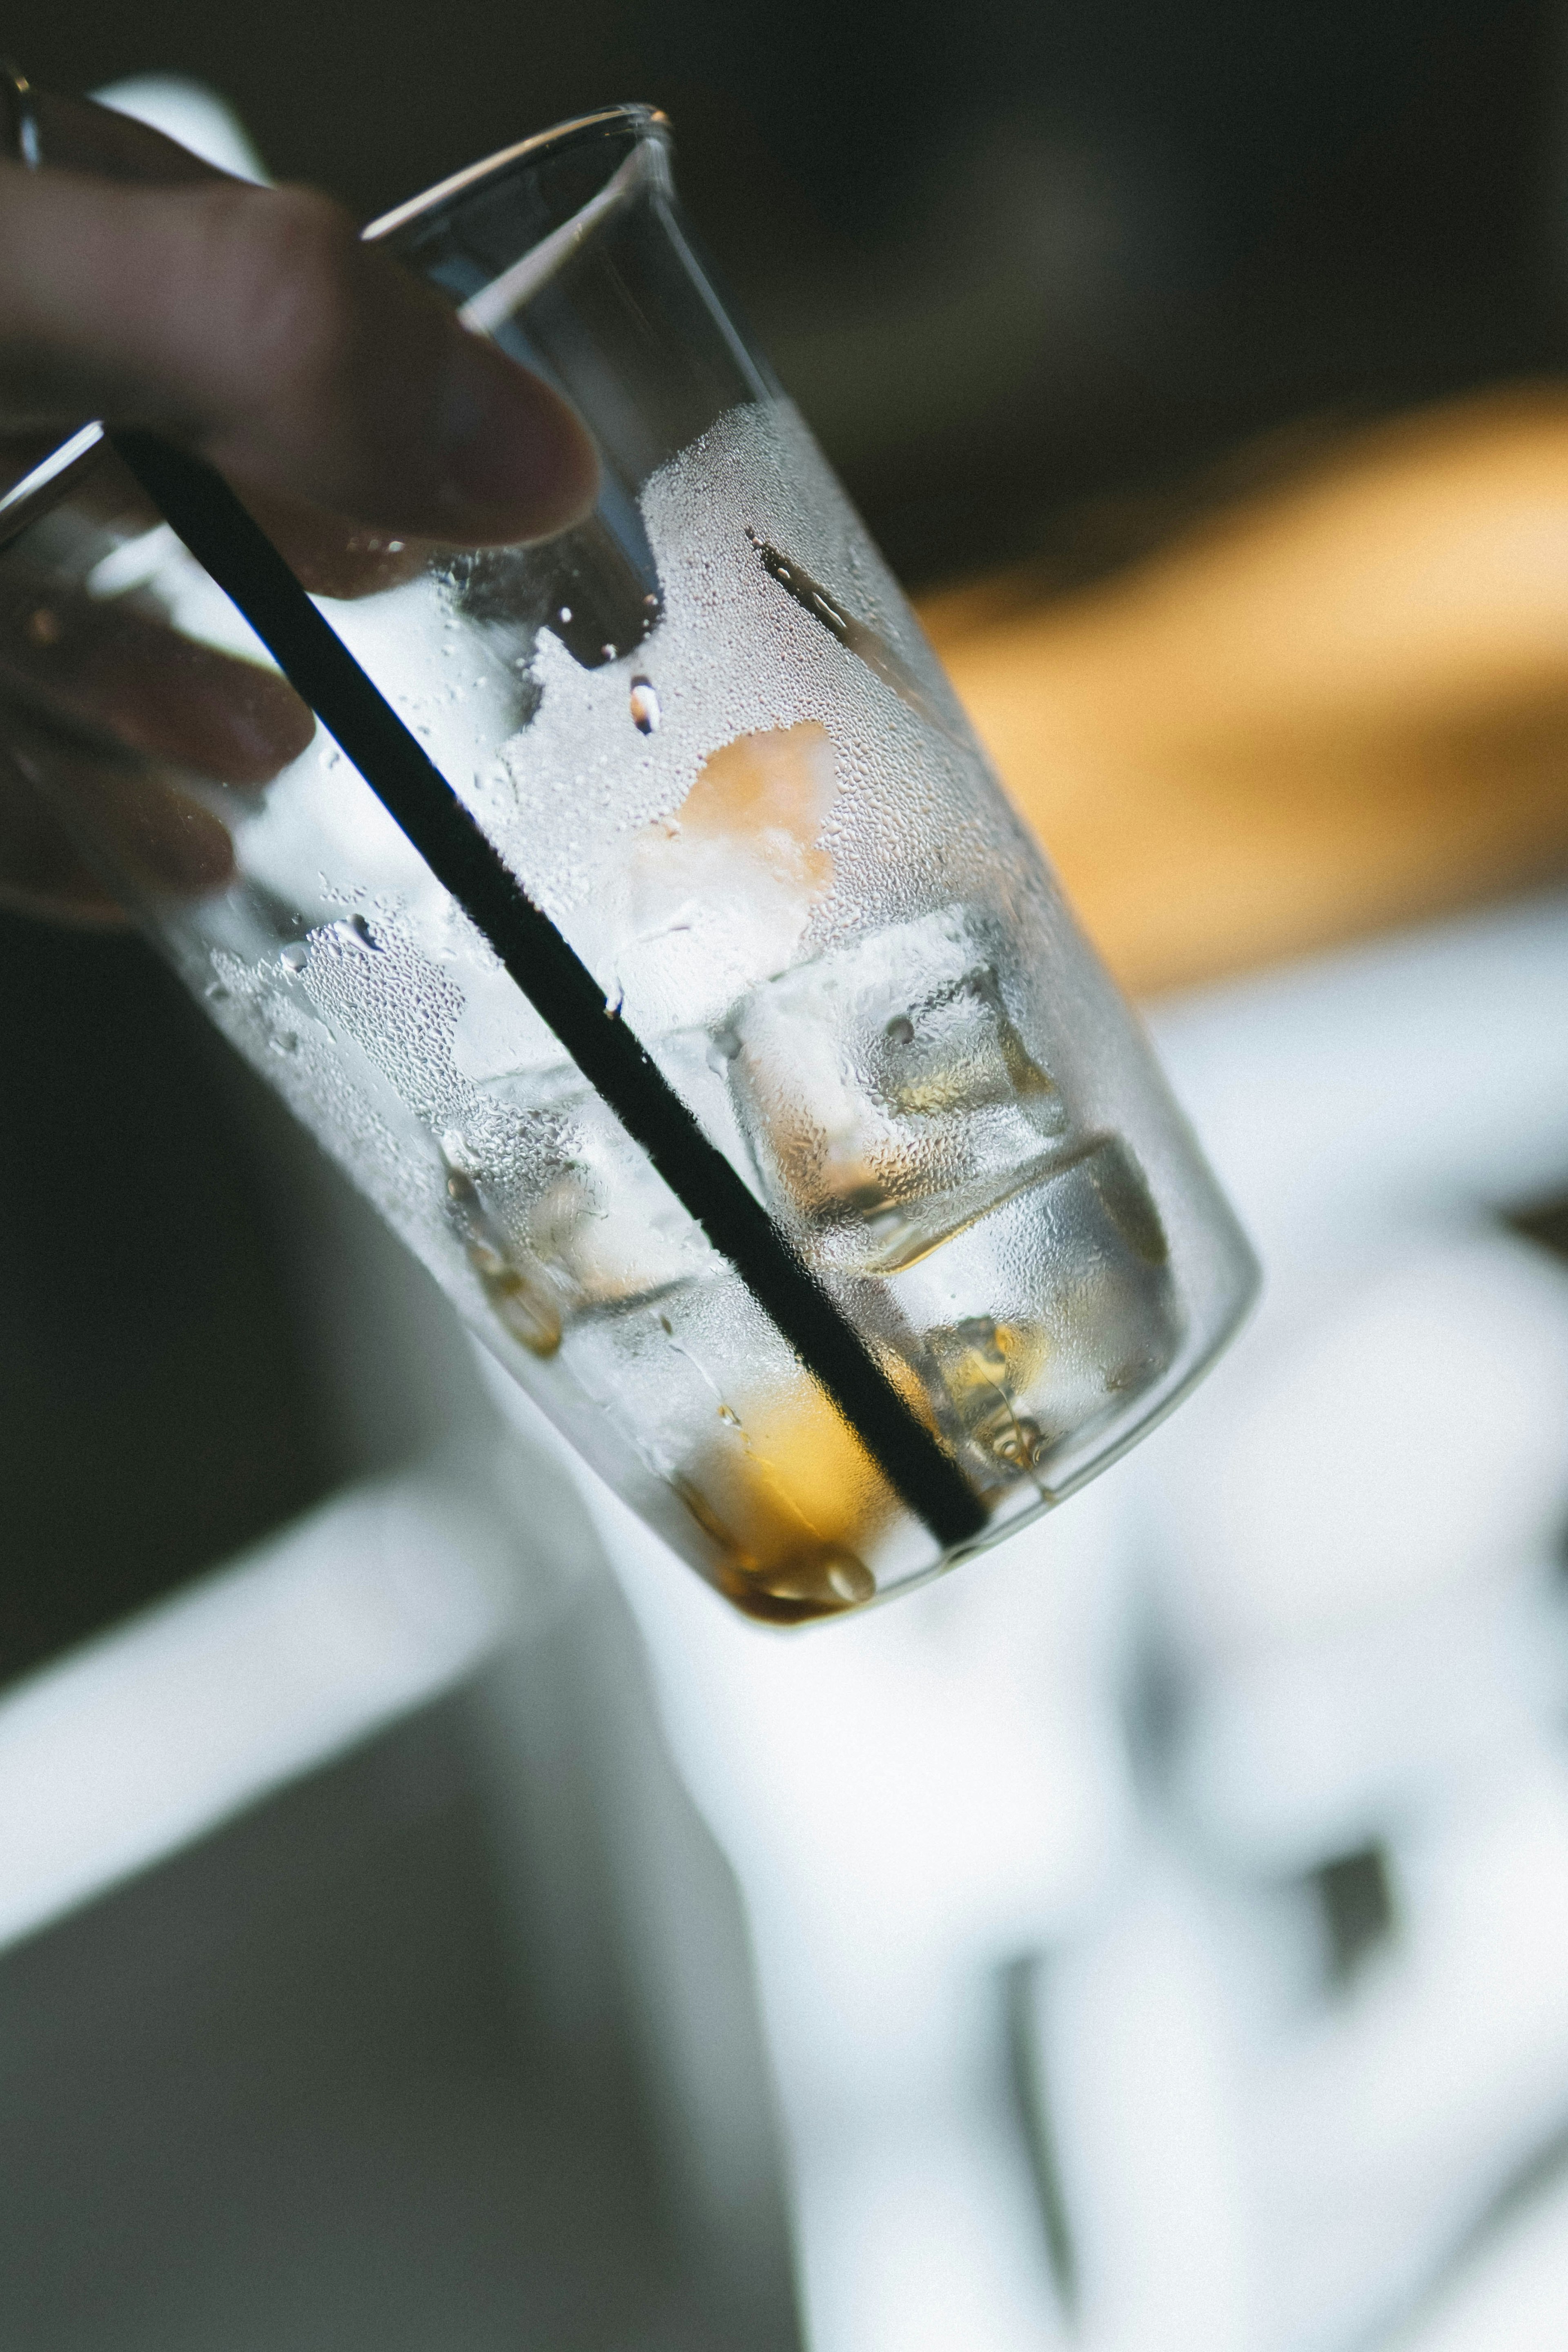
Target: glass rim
{"type": "Point", "coordinates": [642, 121]}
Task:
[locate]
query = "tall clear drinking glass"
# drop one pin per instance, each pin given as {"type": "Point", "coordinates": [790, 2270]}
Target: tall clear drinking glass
{"type": "Point", "coordinates": [706, 734]}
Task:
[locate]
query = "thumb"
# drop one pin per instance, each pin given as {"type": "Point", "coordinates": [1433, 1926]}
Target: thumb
{"type": "Point", "coordinates": [253, 325]}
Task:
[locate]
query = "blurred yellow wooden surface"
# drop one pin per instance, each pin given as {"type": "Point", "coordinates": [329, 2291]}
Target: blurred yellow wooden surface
{"type": "Point", "coordinates": [1338, 706]}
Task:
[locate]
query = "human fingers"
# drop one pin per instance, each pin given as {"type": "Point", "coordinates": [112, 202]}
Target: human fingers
{"type": "Point", "coordinates": [331, 555]}
{"type": "Point", "coordinates": [104, 673]}
{"type": "Point", "coordinates": [254, 326]}
{"type": "Point", "coordinates": [55, 795]}
{"type": "Point", "coordinates": [42, 872]}
{"type": "Point", "coordinates": [106, 716]}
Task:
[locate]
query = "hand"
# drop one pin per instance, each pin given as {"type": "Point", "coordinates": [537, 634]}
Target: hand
{"type": "Point", "coordinates": [340, 395]}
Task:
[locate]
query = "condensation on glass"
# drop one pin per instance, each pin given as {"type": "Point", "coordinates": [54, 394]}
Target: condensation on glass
{"type": "Point", "coordinates": [705, 730]}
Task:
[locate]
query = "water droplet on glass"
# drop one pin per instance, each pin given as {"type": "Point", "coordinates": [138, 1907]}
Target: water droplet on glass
{"type": "Point", "coordinates": [565, 614]}
{"type": "Point", "coordinates": [815, 1583]}
{"type": "Point", "coordinates": [902, 1031]}
{"type": "Point", "coordinates": [850, 1578]}
{"type": "Point", "coordinates": [361, 930]}
{"type": "Point", "coordinates": [729, 1418]}
{"type": "Point", "coordinates": [645, 706]}
{"type": "Point", "coordinates": [218, 994]}
{"type": "Point", "coordinates": [296, 955]}
{"type": "Point", "coordinates": [608, 652]}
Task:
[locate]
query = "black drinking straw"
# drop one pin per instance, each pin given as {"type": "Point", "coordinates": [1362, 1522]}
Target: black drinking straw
{"type": "Point", "coordinates": [227, 542]}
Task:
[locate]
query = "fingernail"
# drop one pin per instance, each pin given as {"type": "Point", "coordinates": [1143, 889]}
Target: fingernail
{"type": "Point", "coordinates": [514, 452]}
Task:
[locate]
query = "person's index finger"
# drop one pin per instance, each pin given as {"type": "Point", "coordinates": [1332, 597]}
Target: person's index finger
{"type": "Point", "coordinates": [254, 325]}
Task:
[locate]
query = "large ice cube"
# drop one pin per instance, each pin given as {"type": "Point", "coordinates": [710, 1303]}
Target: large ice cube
{"type": "Point", "coordinates": [550, 1180]}
{"type": "Point", "coordinates": [701, 905]}
{"type": "Point", "coordinates": [582, 1210]}
{"type": "Point", "coordinates": [1042, 1318]}
{"type": "Point", "coordinates": [886, 1093]}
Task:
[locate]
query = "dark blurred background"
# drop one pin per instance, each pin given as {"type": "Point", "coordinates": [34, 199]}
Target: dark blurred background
{"type": "Point", "coordinates": [1009, 258]}
{"type": "Point", "coordinates": [1041, 273]}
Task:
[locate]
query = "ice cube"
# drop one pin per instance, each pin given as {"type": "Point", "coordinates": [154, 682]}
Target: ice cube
{"type": "Point", "coordinates": [581, 1211]}
{"type": "Point", "coordinates": [519, 1294]}
{"type": "Point", "coordinates": [887, 1095]}
{"type": "Point", "coordinates": [1044, 1317]}
{"type": "Point", "coordinates": [708, 901]}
